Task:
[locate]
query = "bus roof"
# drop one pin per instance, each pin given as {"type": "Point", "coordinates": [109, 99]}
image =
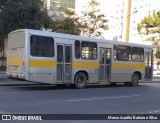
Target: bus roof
{"type": "Point", "coordinates": [76, 37]}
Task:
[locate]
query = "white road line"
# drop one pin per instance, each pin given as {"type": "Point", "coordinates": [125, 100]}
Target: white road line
{"type": "Point", "coordinates": [155, 111]}
{"type": "Point", "coordinates": [4, 112]}
{"type": "Point", "coordinates": [102, 98]}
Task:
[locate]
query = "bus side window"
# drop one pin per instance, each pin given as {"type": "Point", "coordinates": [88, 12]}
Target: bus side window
{"type": "Point", "coordinates": [89, 50]}
{"type": "Point", "coordinates": [137, 54]}
{"type": "Point", "coordinates": [77, 49]}
{"type": "Point", "coordinates": [41, 46]}
{"type": "Point", "coordinates": [123, 53]}
{"type": "Point", "coordinates": [115, 52]}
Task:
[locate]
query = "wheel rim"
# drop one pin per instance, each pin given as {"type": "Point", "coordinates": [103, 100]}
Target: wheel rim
{"type": "Point", "coordinates": [135, 79]}
{"type": "Point", "coordinates": [80, 80]}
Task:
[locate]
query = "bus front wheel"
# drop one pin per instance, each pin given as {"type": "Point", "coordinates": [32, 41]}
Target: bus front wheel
{"type": "Point", "coordinates": [135, 79]}
{"type": "Point", "coordinates": [80, 80]}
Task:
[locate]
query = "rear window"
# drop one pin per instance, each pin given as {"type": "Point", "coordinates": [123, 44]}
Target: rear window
{"type": "Point", "coordinates": [16, 40]}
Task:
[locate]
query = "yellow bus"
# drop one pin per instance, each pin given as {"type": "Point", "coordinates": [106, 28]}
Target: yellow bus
{"type": "Point", "coordinates": [54, 58]}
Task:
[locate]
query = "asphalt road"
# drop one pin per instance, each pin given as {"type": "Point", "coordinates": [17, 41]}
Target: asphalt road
{"type": "Point", "coordinates": [21, 97]}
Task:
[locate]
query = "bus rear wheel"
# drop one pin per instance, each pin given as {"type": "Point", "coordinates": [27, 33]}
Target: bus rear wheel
{"type": "Point", "coordinates": [135, 79]}
{"type": "Point", "coordinates": [80, 80]}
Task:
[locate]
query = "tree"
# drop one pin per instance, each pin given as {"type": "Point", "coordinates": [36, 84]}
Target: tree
{"type": "Point", "coordinates": [16, 14]}
{"type": "Point", "coordinates": [150, 27]}
{"type": "Point", "coordinates": [66, 23]}
{"type": "Point", "coordinates": [92, 22]}
{"type": "Point", "coordinates": [23, 14]}
{"type": "Point", "coordinates": [63, 21]}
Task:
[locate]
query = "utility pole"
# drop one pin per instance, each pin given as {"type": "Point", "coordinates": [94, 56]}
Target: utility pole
{"type": "Point", "coordinates": [128, 17]}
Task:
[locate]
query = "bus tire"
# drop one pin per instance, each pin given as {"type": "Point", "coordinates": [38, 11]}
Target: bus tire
{"type": "Point", "coordinates": [80, 80]}
{"type": "Point", "coordinates": [135, 79]}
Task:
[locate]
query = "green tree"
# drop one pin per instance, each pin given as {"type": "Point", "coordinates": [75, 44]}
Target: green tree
{"type": "Point", "coordinates": [92, 22]}
{"type": "Point", "coordinates": [16, 14]}
{"type": "Point", "coordinates": [150, 27]}
{"type": "Point", "coordinates": [65, 23]}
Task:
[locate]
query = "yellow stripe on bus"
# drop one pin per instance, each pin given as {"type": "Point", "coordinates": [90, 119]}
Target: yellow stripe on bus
{"type": "Point", "coordinates": [85, 65]}
{"type": "Point", "coordinates": [129, 66]}
{"type": "Point", "coordinates": [16, 61]}
{"type": "Point", "coordinates": [42, 63]}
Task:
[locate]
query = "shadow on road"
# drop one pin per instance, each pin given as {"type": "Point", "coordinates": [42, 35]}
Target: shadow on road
{"type": "Point", "coordinates": [33, 86]}
{"type": "Point", "coordinates": [30, 86]}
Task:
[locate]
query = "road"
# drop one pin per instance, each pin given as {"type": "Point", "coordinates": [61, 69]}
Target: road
{"type": "Point", "coordinates": [21, 97]}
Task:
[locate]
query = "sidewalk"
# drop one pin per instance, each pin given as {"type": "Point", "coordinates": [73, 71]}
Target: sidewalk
{"type": "Point", "coordinates": [154, 80]}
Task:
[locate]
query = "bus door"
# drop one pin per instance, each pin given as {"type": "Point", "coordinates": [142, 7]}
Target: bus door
{"type": "Point", "coordinates": [149, 65]}
{"type": "Point", "coordinates": [105, 64]}
{"type": "Point", "coordinates": [64, 56]}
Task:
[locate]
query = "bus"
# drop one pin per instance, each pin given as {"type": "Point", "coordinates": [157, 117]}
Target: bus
{"type": "Point", "coordinates": [62, 59]}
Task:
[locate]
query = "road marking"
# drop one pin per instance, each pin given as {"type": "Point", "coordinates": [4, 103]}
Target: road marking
{"type": "Point", "coordinates": [102, 98]}
{"type": "Point", "coordinates": [155, 111]}
{"type": "Point", "coordinates": [4, 112]}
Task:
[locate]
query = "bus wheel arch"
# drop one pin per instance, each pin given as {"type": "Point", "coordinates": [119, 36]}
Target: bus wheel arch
{"type": "Point", "coordinates": [80, 79]}
{"type": "Point", "coordinates": [136, 76]}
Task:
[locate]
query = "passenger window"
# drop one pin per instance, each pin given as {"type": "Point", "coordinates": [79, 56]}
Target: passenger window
{"type": "Point", "coordinates": [137, 54]}
{"type": "Point", "coordinates": [77, 49]}
{"type": "Point", "coordinates": [115, 52]}
{"type": "Point", "coordinates": [123, 53]}
{"type": "Point", "coordinates": [41, 46]}
{"type": "Point", "coordinates": [89, 50]}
